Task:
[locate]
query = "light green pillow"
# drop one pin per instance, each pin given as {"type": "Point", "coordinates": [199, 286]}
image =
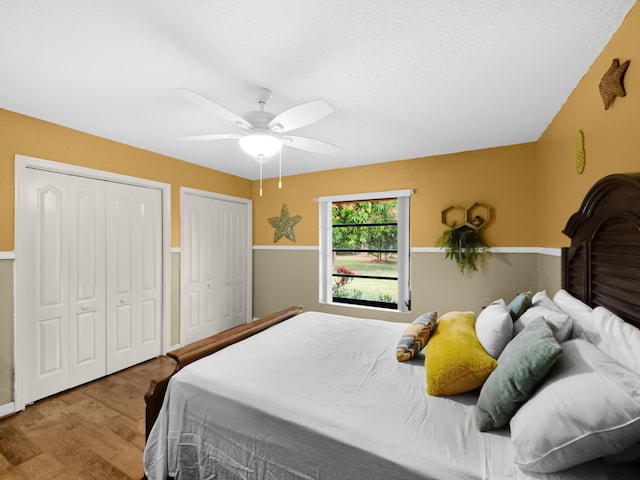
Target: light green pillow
{"type": "Point", "coordinates": [523, 364]}
{"type": "Point", "coordinates": [519, 305]}
{"type": "Point", "coordinates": [455, 360]}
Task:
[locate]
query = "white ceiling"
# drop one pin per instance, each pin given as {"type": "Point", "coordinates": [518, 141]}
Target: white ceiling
{"type": "Point", "coordinates": [408, 78]}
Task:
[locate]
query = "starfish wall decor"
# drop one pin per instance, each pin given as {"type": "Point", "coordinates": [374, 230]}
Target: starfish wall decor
{"type": "Point", "coordinates": [611, 85]}
{"type": "Point", "coordinates": [284, 224]}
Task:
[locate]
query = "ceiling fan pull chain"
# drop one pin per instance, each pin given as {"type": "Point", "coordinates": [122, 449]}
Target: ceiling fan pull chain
{"type": "Point", "coordinates": [260, 157]}
{"type": "Point", "coordinates": [280, 171]}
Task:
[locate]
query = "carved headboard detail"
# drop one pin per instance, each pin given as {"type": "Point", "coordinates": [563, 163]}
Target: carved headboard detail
{"type": "Point", "coordinates": [602, 265]}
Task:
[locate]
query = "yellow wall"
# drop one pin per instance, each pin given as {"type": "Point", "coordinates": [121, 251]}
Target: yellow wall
{"type": "Point", "coordinates": [24, 135]}
{"type": "Point", "coordinates": [499, 177]}
{"type": "Point", "coordinates": [611, 136]}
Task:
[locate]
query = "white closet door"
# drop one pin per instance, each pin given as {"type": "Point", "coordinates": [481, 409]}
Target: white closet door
{"type": "Point", "coordinates": [65, 257]}
{"type": "Point", "coordinates": [87, 297]}
{"type": "Point", "coordinates": [213, 267]}
{"type": "Point", "coordinates": [134, 293]}
{"type": "Point", "coordinates": [198, 305]}
{"type": "Point", "coordinates": [233, 264]}
{"type": "Point", "coordinates": [45, 285]}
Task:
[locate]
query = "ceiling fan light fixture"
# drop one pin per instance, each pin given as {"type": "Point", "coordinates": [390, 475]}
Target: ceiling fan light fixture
{"type": "Point", "coordinates": [260, 144]}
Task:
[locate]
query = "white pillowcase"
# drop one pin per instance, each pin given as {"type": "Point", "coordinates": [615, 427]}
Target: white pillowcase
{"type": "Point", "coordinates": [603, 328]}
{"type": "Point", "coordinates": [581, 314]}
{"type": "Point", "coordinates": [619, 339]}
{"type": "Point", "coordinates": [588, 407]}
{"type": "Point", "coordinates": [544, 307]}
{"type": "Point", "coordinates": [494, 327]}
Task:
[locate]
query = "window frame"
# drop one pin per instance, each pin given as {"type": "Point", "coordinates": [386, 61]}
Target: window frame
{"type": "Point", "coordinates": [326, 246]}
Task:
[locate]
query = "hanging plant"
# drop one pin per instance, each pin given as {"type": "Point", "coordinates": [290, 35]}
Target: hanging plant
{"type": "Point", "coordinates": [465, 246]}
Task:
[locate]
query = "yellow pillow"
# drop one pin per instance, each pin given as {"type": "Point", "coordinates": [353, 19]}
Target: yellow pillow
{"type": "Point", "coordinates": [455, 360]}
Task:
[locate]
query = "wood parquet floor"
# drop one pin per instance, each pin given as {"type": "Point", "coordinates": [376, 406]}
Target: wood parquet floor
{"type": "Point", "coordinates": [91, 432]}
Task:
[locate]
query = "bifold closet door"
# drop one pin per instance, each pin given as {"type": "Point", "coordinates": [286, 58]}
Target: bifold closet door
{"type": "Point", "coordinates": [213, 266]}
{"type": "Point", "coordinates": [134, 275]}
{"type": "Point", "coordinates": [63, 285]}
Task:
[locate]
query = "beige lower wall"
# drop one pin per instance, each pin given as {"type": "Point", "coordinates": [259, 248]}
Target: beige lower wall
{"type": "Point", "coordinates": [284, 277]}
{"type": "Point", "coordinates": [549, 273]}
{"type": "Point", "coordinates": [175, 298]}
{"type": "Point", "coordinates": [6, 331]}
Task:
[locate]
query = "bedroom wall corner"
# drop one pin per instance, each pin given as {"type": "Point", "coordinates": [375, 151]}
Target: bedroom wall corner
{"type": "Point", "coordinates": [6, 332]}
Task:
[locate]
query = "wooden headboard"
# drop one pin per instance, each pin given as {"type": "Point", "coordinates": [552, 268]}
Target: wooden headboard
{"type": "Point", "coordinates": [602, 265]}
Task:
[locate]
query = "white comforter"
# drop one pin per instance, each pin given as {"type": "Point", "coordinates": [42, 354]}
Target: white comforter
{"type": "Point", "coordinates": [320, 396]}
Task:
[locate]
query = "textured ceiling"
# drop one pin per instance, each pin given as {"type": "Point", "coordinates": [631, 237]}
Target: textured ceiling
{"type": "Point", "coordinates": [407, 78]}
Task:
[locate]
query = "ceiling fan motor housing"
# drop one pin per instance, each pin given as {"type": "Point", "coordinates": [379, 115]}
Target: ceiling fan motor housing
{"type": "Point", "coordinates": [259, 119]}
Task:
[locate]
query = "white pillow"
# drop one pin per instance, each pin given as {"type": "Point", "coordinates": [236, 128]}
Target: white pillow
{"type": "Point", "coordinates": [588, 407]}
{"type": "Point", "coordinates": [581, 314]}
{"type": "Point", "coordinates": [494, 327]}
{"type": "Point", "coordinates": [544, 307]}
{"type": "Point", "coordinates": [619, 339]}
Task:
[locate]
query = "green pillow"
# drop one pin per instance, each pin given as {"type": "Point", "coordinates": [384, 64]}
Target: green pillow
{"type": "Point", "coordinates": [519, 305]}
{"type": "Point", "coordinates": [522, 365]}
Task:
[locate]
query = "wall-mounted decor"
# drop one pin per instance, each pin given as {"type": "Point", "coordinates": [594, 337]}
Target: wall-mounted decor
{"type": "Point", "coordinates": [462, 242]}
{"type": "Point", "coordinates": [284, 224]}
{"type": "Point", "coordinates": [611, 85]}
{"type": "Point", "coordinates": [580, 153]}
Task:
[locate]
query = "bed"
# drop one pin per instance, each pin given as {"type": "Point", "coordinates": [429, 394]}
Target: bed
{"type": "Point", "coordinates": [310, 395]}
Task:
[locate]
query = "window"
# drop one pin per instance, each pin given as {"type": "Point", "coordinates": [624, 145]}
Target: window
{"type": "Point", "coordinates": [364, 250]}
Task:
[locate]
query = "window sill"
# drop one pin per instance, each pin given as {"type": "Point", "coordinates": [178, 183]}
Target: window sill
{"type": "Point", "coordinates": [365, 307]}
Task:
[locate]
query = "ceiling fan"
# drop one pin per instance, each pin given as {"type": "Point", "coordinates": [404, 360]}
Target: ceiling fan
{"type": "Point", "coordinates": [265, 133]}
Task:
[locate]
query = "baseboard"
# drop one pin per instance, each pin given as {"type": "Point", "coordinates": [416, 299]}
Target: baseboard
{"type": "Point", "coordinates": [7, 409]}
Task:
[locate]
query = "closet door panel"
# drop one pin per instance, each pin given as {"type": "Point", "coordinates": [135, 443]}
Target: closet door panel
{"type": "Point", "coordinates": [190, 270]}
{"type": "Point", "coordinates": [120, 272]}
{"type": "Point", "coordinates": [199, 310]}
{"type": "Point", "coordinates": [233, 241]}
{"type": "Point", "coordinates": [86, 203]}
{"type": "Point", "coordinates": [45, 284]}
{"type": "Point", "coordinates": [134, 292]}
{"type": "Point", "coordinates": [149, 281]}
{"type": "Point", "coordinates": [208, 256]}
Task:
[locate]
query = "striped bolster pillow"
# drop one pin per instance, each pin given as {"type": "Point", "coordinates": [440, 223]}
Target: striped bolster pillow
{"type": "Point", "coordinates": [415, 336]}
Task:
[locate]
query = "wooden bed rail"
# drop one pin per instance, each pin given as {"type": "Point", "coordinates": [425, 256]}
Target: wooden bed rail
{"type": "Point", "coordinates": [194, 351]}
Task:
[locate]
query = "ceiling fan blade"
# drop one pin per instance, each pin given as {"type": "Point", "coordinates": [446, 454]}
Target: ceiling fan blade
{"type": "Point", "coordinates": [310, 144]}
{"type": "Point", "coordinates": [214, 107]}
{"type": "Point", "coordinates": [301, 116]}
{"type": "Point", "coordinates": [211, 136]}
